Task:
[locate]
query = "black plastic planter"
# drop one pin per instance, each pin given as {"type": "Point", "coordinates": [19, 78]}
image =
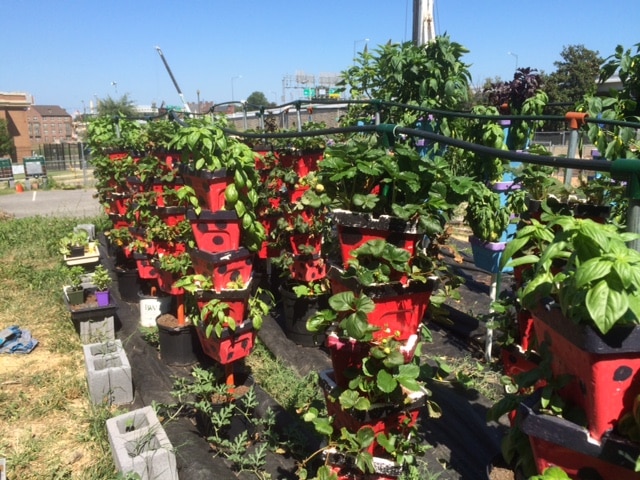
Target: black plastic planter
{"type": "Point", "coordinates": [296, 312]}
{"type": "Point", "coordinates": [128, 284]}
{"type": "Point", "coordinates": [178, 345]}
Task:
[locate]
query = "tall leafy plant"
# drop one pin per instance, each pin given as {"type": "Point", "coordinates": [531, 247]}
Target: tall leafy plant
{"type": "Point", "coordinates": [430, 76]}
{"type": "Point", "coordinates": [616, 141]}
{"type": "Point", "coordinates": [523, 95]}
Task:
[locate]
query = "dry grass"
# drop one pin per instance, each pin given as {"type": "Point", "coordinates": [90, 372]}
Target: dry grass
{"type": "Point", "coordinates": [47, 424]}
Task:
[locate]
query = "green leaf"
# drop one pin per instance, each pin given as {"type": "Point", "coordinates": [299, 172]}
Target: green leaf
{"type": "Point", "coordinates": [605, 306]}
{"type": "Point", "coordinates": [592, 270]}
{"type": "Point", "coordinates": [365, 436]}
{"type": "Point", "coordinates": [386, 382]}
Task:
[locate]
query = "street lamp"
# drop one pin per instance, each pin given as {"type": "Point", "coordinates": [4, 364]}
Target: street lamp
{"type": "Point", "coordinates": [115, 85]}
{"type": "Point", "coordinates": [515, 55]}
{"type": "Point", "coordinates": [232, 80]}
{"type": "Point", "coordinates": [355, 42]}
{"type": "Point", "coordinates": [198, 93]}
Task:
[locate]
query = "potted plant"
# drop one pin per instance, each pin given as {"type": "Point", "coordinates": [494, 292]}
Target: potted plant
{"type": "Point", "coordinates": [585, 309]}
{"type": "Point", "coordinates": [372, 420]}
{"type": "Point", "coordinates": [489, 219]}
{"type": "Point", "coordinates": [74, 244]}
{"type": "Point", "coordinates": [226, 320]}
{"type": "Point", "coordinates": [172, 267]}
{"type": "Point", "coordinates": [74, 290]}
{"type": "Point", "coordinates": [393, 194]}
{"type": "Point", "coordinates": [523, 95]}
{"type": "Point", "coordinates": [221, 170]}
{"type": "Point", "coordinates": [102, 281]}
{"type": "Point", "coordinates": [300, 301]}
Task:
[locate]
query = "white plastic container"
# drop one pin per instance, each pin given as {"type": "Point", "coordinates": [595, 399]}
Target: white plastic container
{"type": "Point", "coordinates": [151, 307]}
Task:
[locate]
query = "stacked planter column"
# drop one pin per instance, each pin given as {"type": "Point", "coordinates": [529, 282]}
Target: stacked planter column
{"type": "Point", "coordinates": [219, 256]}
{"type": "Point", "coordinates": [400, 307]}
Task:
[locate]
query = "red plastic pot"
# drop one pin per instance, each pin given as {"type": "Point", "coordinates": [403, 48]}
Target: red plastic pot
{"type": "Point", "coordinates": [556, 441]}
{"type": "Point", "coordinates": [355, 229]}
{"type": "Point", "coordinates": [308, 268]}
{"type": "Point", "coordinates": [231, 346]}
{"type": "Point", "coordinates": [382, 418]}
{"type": "Point", "coordinates": [159, 187]}
{"type": "Point", "coordinates": [306, 162]}
{"type": "Point", "coordinates": [171, 216]}
{"type": "Point", "coordinates": [209, 187]}
{"type": "Point", "coordinates": [306, 240]}
{"type": "Point", "coordinates": [399, 309]}
{"type": "Point", "coordinates": [346, 356]}
{"type": "Point", "coordinates": [166, 280]}
{"type": "Point", "coordinates": [605, 368]}
{"type": "Point", "coordinates": [224, 267]}
{"type": "Point", "coordinates": [237, 301]}
{"type": "Point", "coordinates": [215, 232]}
{"type": "Point", "coordinates": [146, 269]}
{"type": "Point", "coordinates": [296, 194]}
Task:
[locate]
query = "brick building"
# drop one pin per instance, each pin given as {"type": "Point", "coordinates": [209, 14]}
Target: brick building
{"type": "Point", "coordinates": [49, 124]}
{"type": "Point", "coordinates": [14, 108]}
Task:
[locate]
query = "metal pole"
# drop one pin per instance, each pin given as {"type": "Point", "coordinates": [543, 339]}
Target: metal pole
{"type": "Point", "coordinates": [576, 120]}
{"type": "Point", "coordinates": [84, 165]}
{"type": "Point", "coordinates": [244, 110]}
{"type": "Point", "coordinates": [493, 294]}
{"type": "Point", "coordinates": [633, 221]}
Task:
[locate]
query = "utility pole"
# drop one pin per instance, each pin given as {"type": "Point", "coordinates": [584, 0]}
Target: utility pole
{"type": "Point", "coordinates": [424, 25]}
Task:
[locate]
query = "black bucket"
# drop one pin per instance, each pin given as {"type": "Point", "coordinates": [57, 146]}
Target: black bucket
{"type": "Point", "coordinates": [178, 345]}
{"type": "Point", "coordinates": [296, 311]}
{"type": "Point", "coordinates": [128, 284]}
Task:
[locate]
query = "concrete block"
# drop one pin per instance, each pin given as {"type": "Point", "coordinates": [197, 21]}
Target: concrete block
{"type": "Point", "coordinates": [95, 330]}
{"type": "Point", "coordinates": [140, 445]}
{"type": "Point", "coordinates": [108, 373]}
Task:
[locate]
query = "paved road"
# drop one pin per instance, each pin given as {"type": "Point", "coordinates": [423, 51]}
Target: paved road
{"type": "Point", "coordinates": [57, 203]}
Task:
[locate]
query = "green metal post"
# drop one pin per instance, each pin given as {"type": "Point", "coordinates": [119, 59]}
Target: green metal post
{"type": "Point", "coordinates": [628, 169]}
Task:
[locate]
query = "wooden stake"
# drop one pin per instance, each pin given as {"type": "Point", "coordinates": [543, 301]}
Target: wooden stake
{"type": "Point", "coordinates": [228, 369]}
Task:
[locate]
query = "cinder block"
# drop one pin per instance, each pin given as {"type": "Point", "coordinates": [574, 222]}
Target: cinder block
{"type": "Point", "coordinates": [140, 445]}
{"type": "Point", "coordinates": [108, 373]}
{"type": "Point", "coordinates": [96, 330]}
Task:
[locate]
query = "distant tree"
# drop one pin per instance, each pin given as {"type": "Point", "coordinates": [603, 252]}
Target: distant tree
{"type": "Point", "coordinates": [575, 76]}
{"type": "Point", "coordinates": [123, 106]}
{"type": "Point", "coordinates": [257, 100]}
{"type": "Point", "coordinates": [6, 142]}
{"type": "Point", "coordinates": [478, 95]}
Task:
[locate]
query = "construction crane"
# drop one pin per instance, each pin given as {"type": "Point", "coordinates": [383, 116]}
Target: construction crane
{"type": "Point", "coordinates": [173, 79]}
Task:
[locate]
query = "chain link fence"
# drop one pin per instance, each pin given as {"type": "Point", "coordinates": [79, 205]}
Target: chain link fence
{"type": "Point", "coordinates": [62, 156]}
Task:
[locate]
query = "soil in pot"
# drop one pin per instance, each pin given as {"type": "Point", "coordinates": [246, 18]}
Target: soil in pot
{"type": "Point", "coordinates": [498, 469]}
{"type": "Point", "coordinates": [90, 301]}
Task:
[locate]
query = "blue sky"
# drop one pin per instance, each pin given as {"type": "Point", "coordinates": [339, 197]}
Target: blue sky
{"type": "Point", "coordinates": [69, 52]}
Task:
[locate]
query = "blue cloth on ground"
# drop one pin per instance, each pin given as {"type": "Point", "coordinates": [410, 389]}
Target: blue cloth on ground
{"type": "Point", "coordinates": [15, 340]}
